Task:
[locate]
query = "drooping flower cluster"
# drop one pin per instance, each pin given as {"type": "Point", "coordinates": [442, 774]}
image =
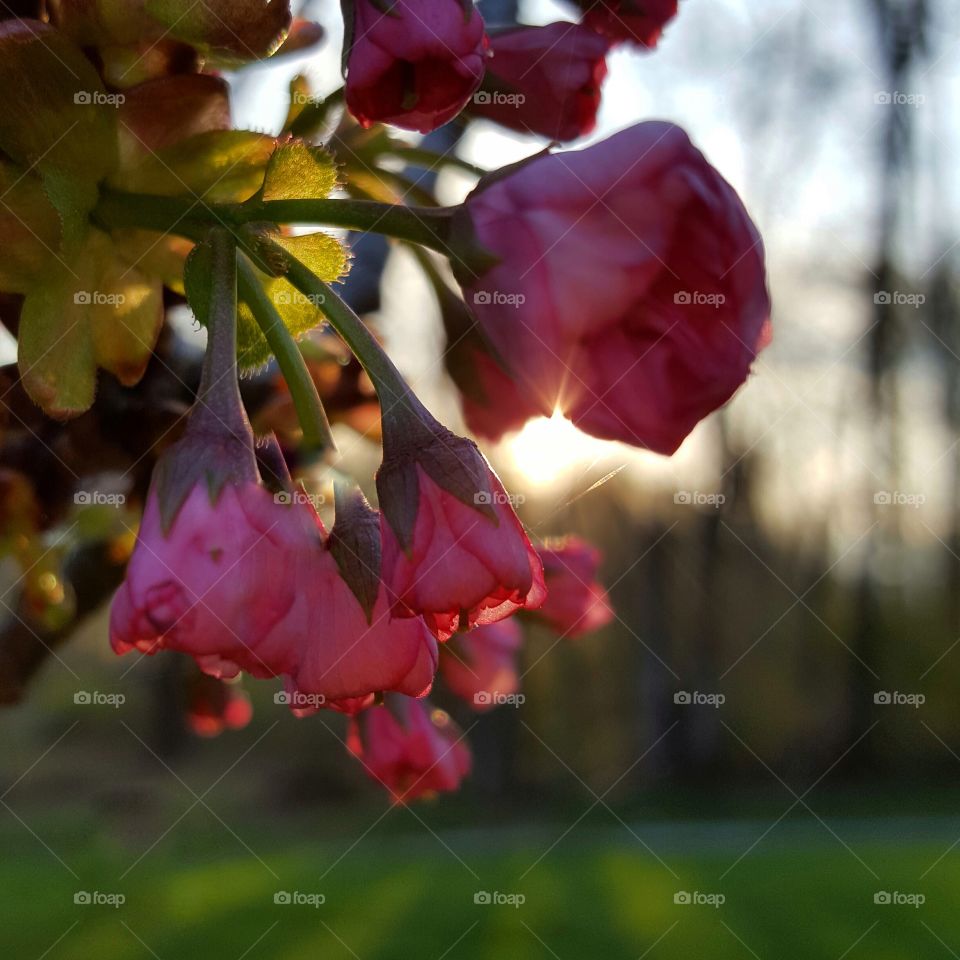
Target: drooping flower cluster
{"type": "Point", "coordinates": [622, 285]}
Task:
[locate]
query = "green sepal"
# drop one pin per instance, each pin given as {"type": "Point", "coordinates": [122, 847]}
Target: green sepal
{"type": "Point", "coordinates": [453, 463]}
{"type": "Point", "coordinates": [354, 543]}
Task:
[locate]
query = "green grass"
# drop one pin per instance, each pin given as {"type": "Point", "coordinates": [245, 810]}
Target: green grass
{"type": "Point", "coordinates": [199, 893]}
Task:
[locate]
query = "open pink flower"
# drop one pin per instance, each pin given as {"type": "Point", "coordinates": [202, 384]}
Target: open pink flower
{"type": "Point", "coordinates": [576, 602]}
{"type": "Point", "coordinates": [480, 667]}
{"type": "Point", "coordinates": [409, 747]}
{"type": "Point", "coordinates": [413, 63]}
{"type": "Point", "coordinates": [453, 548]}
{"type": "Point", "coordinates": [630, 290]}
{"type": "Point", "coordinates": [545, 80]}
{"type": "Point", "coordinates": [637, 21]}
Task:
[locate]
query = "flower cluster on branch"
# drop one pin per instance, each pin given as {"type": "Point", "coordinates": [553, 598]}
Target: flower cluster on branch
{"type": "Point", "coordinates": [622, 285]}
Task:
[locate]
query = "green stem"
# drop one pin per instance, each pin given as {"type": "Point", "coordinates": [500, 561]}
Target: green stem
{"type": "Point", "coordinates": [428, 160]}
{"type": "Point", "coordinates": [186, 216]}
{"type": "Point", "coordinates": [313, 418]}
{"type": "Point", "coordinates": [218, 395]}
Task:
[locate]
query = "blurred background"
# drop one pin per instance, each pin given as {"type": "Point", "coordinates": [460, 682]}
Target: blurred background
{"type": "Point", "coordinates": [773, 718]}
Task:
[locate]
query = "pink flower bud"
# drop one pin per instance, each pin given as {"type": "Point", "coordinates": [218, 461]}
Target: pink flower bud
{"type": "Point", "coordinates": [576, 602]}
{"type": "Point", "coordinates": [545, 80]}
{"type": "Point", "coordinates": [637, 21]}
{"type": "Point", "coordinates": [411, 748]}
{"type": "Point", "coordinates": [228, 583]}
{"type": "Point", "coordinates": [453, 548]}
{"type": "Point", "coordinates": [480, 667]}
{"type": "Point", "coordinates": [413, 63]}
{"type": "Point", "coordinates": [630, 291]}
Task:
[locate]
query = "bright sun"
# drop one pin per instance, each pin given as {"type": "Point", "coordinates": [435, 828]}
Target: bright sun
{"type": "Point", "coordinates": [545, 449]}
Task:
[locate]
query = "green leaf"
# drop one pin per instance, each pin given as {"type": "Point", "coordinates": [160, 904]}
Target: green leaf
{"type": "Point", "coordinates": [299, 313]}
{"type": "Point", "coordinates": [95, 309]}
{"type": "Point", "coordinates": [322, 254]}
{"type": "Point", "coordinates": [55, 114]}
{"type": "Point", "coordinates": [298, 171]}
{"type": "Point", "coordinates": [240, 30]}
{"type": "Point", "coordinates": [197, 281]}
{"type": "Point", "coordinates": [30, 228]}
{"type": "Point", "coordinates": [218, 166]}
{"type": "Point", "coordinates": [327, 258]}
{"type": "Point", "coordinates": [126, 320]}
{"type": "Point", "coordinates": [55, 346]}
{"type": "Point", "coordinates": [300, 97]}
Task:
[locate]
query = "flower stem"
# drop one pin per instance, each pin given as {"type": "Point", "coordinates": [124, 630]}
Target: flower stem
{"type": "Point", "coordinates": [391, 388]}
{"type": "Point", "coordinates": [218, 395]}
{"type": "Point", "coordinates": [185, 216]}
{"type": "Point", "coordinates": [303, 391]}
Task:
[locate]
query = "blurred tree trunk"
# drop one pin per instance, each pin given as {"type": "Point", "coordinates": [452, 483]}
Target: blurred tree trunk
{"type": "Point", "coordinates": [901, 27]}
